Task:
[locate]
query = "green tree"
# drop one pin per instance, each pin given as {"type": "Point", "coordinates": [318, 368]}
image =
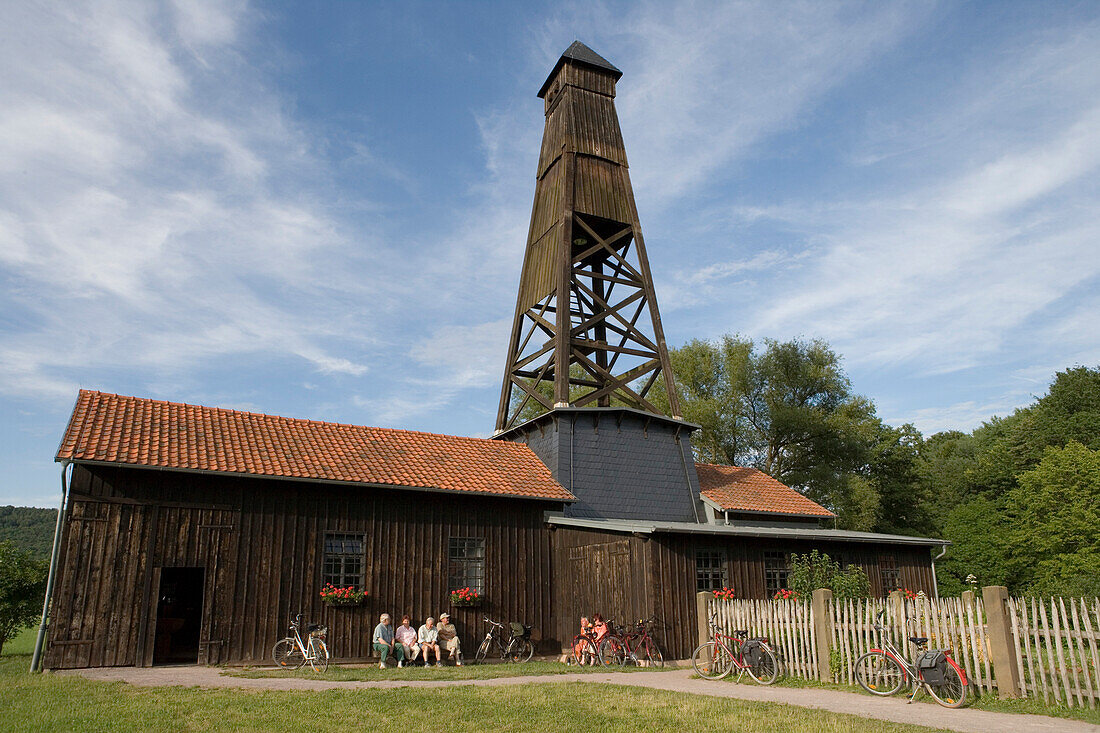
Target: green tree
{"type": "Point", "coordinates": [1055, 513]}
{"type": "Point", "coordinates": [22, 586]}
{"type": "Point", "coordinates": [789, 411]}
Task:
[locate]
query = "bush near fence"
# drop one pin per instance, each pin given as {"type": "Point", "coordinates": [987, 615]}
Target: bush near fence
{"type": "Point", "coordinates": [1023, 647]}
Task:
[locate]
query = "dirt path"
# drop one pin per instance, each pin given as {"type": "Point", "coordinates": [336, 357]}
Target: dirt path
{"type": "Point", "coordinates": [678, 680]}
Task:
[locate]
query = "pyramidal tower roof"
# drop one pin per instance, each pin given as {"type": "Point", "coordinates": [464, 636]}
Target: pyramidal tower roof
{"type": "Point", "coordinates": [581, 54]}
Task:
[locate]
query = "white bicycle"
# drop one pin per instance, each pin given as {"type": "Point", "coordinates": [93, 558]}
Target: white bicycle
{"type": "Point", "coordinates": [292, 652]}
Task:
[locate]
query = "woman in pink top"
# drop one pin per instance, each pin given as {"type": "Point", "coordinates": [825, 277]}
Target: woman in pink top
{"type": "Point", "coordinates": [406, 637]}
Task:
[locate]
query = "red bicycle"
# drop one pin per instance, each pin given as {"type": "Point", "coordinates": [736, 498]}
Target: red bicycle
{"type": "Point", "coordinates": [633, 646]}
{"type": "Point", "coordinates": [724, 653]}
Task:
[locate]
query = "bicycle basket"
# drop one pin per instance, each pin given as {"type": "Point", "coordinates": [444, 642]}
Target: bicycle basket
{"type": "Point", "coordinates": [520, 631]}
{"type": "Point", "coordinates": [932, 666]}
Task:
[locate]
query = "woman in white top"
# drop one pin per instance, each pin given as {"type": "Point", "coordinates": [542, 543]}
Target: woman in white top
{"type": "Point", "coordinates": [428, 638]}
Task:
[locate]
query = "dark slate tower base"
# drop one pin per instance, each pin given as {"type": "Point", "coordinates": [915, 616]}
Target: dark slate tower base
{"type": "Point", "coordinates": [619, 463]}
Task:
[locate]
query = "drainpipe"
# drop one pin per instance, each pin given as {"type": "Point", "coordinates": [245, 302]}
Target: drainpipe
{"type": "Point", "coordinates": [935, 583]}
{"type": "Point", "coordinates": [36, 659]}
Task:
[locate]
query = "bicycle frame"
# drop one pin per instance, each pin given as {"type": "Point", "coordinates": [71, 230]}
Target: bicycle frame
{"type": "Point", "coordinates": [306, 648]}
{"type": "Point", "coordinates": [912, 675]}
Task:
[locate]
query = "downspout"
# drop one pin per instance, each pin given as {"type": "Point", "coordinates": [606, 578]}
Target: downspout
{"type": "Point", "coordinates": [36, 659]}
{"type": "Point", "coordinates": [687, 478]}
{"type": "Point", "coordinates": [935, 583]}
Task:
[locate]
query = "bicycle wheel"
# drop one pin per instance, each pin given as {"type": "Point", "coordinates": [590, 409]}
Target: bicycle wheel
{"type": "Point", "coordinates": [952, 693]}
{"type": "Point", "coordinates": [287, 654]}
{"type": "Point", "coordinates": [520, 651]}
{"type": "Point", "coordinates": [583, 651]}
{"type": "Point", "coordinates": [611, 652]}
{"type": "Point", "coordinates": [483, 650]}
{"type": "Point", "coordinates": [318, 655]}
{"type": "Point", "coordinates": [879, 673]}
{"type": "Point", "coordinates": [766, 668]}
{"type": "Point", "coordinates": [711, 661]}
{"type": "Point", "coordinates": [652, 653]}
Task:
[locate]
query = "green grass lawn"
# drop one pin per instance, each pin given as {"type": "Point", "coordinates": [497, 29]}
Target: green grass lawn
{"type": "Point", "coordinates": [22, 644]}
{"type": "Point", "coordinates": [987, 701]}
{"type": "Point", "coordinates": [467, 672]}
{"type": "Point", "coordinates": [50, 702]}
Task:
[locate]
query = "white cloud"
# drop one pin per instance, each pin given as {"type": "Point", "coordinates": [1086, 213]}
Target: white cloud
{"type": "Point", "coordinates": [141, 219]}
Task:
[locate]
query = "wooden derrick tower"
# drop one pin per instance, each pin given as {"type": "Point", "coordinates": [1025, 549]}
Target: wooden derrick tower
{"type": "Point", "coordinates": [586, 296]}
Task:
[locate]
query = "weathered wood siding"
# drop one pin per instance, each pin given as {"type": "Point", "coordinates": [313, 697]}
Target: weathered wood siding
{"type": "Point", "coordinates": [661, 580]}
{"type": "Point", "coordinates": [261, 543]}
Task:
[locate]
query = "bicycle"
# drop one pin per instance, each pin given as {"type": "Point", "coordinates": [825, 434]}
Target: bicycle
{"type": "Point", "coordinates": [292, 652]}
{"type": "Point", "coordinates": [585, 649]}
{"type": "Point", "coordinates": [636, 645]}
{"type": "Point", "coordinates": [716, 658]}
{"type": "Point", "coordinates": [884, 671]}
{"type": "Point", "coordinates": [518, 649]}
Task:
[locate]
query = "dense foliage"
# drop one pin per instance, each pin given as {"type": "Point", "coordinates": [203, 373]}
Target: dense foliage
{"type": "Point", "coordinates": [817, 570]}
{"type": "Point", "coordinates": [29, 528]}
{"type": "Point", "coordinates": [22, 587]}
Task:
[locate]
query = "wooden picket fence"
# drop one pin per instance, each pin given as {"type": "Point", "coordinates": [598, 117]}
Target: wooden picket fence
{"type": "Point", "coordinates": [948, 623]}
{"type": "Point", "coordinates": [1057, 650]}
{"type": "Point", "coordinates": [1055, 643]}
{"type": "Point", "coordinates": [788, 625]}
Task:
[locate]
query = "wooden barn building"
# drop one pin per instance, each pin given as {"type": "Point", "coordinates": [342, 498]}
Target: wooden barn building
{"type": "Point", "coordinates": [193, 534]}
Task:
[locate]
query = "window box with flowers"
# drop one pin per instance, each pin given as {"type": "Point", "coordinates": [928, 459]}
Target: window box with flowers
{"type": "Point", "coordinates": [465, 597]}
{"type": "Point", "coordinates": [786, 594]}
{"type": "Point", "coordinates": [347, 596]}
{"type": "Point", "coordinates": [726, 594]}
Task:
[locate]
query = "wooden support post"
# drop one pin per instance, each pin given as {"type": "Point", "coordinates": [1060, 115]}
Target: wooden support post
{"type": "Point", "coordinates": [968, 601]}
{"type": "Point", "coordinates": [701, 618]}
{"type": "Point", "coordinates": [823, 632]}
{"type": "Point", "coordinates": [1006, 667]}
{"type": "Point", "coordinates": [897, 613]}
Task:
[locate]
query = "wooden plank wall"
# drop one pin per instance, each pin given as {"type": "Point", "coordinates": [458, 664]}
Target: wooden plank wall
{"type": "Point", "coordinates": [260, 542]}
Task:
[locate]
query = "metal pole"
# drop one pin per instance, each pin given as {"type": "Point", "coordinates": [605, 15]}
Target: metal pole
{"type": "Point", "coordinates": [936, 583]}
{"type": "Point", "coordinates": [36, 659]}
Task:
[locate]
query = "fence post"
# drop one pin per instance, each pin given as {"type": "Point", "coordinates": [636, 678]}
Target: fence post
{"type": "Point", "coordinates": [823, 632]}
{"type": "Point", "coordinates": [968, 601]}
{"type": "Point", "coordinates": [1002, 646]}
{"type": "Point", "coordinates": [701, 617]}
{"type": "Point", "coordinates": [896, 599]}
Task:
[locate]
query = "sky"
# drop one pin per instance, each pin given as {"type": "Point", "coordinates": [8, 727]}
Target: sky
{"type": "Point", "coordinates": [320, 210]}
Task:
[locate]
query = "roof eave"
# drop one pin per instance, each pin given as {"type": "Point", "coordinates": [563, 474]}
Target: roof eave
{"type": "Point", "coordinates": [330, 482]}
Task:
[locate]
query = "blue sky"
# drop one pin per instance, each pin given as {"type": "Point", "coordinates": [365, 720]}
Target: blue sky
{"type": "Point", "coordinates": [318, 210]}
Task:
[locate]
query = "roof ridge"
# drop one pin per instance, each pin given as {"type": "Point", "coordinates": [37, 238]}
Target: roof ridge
{"type": "Point", "coordinates": [300, 420]}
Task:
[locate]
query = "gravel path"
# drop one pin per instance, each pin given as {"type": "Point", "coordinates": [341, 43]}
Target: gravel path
{"type": "Point", "coordinates": [678, 680]}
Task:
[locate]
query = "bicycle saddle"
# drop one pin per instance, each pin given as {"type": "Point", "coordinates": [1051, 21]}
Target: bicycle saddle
{"type": "Point", "coordinates": [741, 633]}
{"type": "Point", "coordinates": [313, 627]}
{"type": "Point", "coordinates": [918, 640]}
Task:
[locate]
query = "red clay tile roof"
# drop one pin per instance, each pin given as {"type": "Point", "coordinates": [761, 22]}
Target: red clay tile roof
{"type": "Point", "coordinates": [142, 432]}
{"type": "Point", "coordinates": [748, 490]}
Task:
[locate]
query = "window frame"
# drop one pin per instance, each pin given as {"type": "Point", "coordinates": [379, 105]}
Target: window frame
{"type": "Point", "coordinates": [714, 576]}
{"type": "Point", "coordinates": [466, 570]}
{"type": "Point", "coordinates": [775, 575]}
{"type": "Point", "coordinates": [343, 558]}
{"type": "Point", "coordinates": [888, 566]}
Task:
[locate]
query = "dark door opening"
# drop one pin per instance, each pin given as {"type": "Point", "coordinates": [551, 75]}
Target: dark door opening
{"type": "Point", "coordinates": [179, 616]}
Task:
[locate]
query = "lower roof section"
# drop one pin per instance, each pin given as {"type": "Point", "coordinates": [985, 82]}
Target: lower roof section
{"type": "Point", "coordinates": [787, 533]}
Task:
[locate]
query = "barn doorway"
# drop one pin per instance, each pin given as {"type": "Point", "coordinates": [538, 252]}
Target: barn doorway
{"type": "Point", "coordinates": [179, 616]}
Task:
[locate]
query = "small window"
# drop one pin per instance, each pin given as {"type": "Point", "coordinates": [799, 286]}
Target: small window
{"type": "Point", "coordinates": [466, 558]}
{"type": "Point", "coordinates": [777, 567]}
{"type": "Point", "coordinates": [343, 563]}
{"type": "Point", "coordinates": [890, 574]}
{"type": "Point", "coordinates": [710, 570]}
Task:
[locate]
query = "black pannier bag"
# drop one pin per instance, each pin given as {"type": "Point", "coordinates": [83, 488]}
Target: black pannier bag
{"type": "Point", "coordinates": [520, 631]}
{"type": "Point", "coordinates": [932, 666]}
{"type": "Point", "coordinates": [751, 652]}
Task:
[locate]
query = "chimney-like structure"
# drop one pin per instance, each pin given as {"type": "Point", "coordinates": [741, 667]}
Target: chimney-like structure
{"type": "Point", "coordinates": [587, 345]}
{"type": "Point", "coordinates": [586, 330]}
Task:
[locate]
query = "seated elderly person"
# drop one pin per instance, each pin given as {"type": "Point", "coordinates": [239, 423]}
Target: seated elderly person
{"type": "Point", "coordinates": [406, 637]}
{"type": "Point", "coordinates": [428, 638]}
{"type": "Point", "coordinates": [384, 644]}
{"type": "Point", "coordinates": [448, 637]}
